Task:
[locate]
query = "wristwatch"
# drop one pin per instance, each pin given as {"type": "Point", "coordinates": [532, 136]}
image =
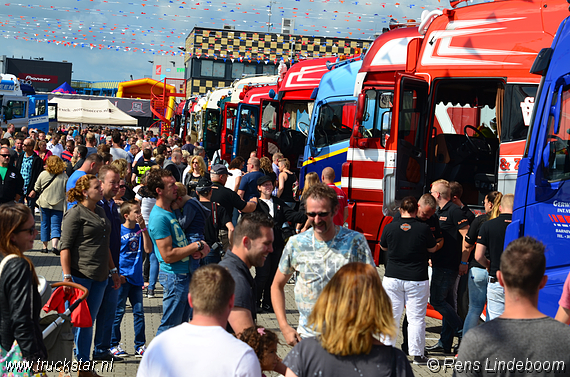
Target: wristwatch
{"type": "Point", "coordinates": [113, 270]}
{"type": "Point", "coordinates": [200, 245]}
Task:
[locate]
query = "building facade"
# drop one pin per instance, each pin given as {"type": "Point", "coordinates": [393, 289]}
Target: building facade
{"type": "Point", "coordinates": [214, 58]}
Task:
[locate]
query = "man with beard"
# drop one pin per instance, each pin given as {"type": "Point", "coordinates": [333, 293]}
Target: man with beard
{"type": "Point", "coordinates": [315, 256]}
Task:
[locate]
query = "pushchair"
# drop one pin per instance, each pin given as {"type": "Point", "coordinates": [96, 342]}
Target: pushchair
{"type": "Point", "coordinates": [57, 327]}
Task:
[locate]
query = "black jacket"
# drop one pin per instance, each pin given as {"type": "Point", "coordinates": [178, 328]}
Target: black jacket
{"type": "Point", "coordinates": [282, 213]}
{"type": "Point", "coordinates": [11, 185]}
{"type": "Point", "coordinates": [20, 306]}
{"type": "Point", "coordinates": [37, 168]}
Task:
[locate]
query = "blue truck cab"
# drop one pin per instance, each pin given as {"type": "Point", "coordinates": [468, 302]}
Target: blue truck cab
{"type": "Point", "coordinates": [332, 121]}
{"type": "Point", "coordinates": [542, 194]}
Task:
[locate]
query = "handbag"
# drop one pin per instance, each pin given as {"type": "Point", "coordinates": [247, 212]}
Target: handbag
{"type": "Point", "coordinates": [46, 186]}
{"type": "Point", "coordinates": [12, 360]}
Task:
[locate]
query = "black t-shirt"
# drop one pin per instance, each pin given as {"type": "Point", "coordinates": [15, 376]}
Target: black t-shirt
{"type": "Point", "coordinates": [245, 290]}
{"type": "Point", "coordinates": [451, 219]}
{"type": "Point", "coordinates": [471, 237]}
{"type": "Point", "coordinates": [432, 222]}
{"type": "Point", "coordinates": [211, 230]}
{"type": "Point", "coordinates": [142, 167]}
{"type": "Point", "coordinates": [227, 198]}
{"type": "Point", "coordinates": [309, 358]}
{"type": "Point", "coordinates": [468, 213]}
{"type": "Point", "coordinates": [492, 235]}
{"type": "Point", "coordinates": [407, 241]}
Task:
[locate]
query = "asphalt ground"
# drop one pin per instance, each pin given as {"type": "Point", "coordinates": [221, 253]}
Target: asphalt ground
{"type": "Point", "coordinates": [48, 266]}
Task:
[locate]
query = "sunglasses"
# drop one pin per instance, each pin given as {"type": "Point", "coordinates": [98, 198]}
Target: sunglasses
{"type": "Point", "coordinates": [320, 214]}
{"type": "Point", "coordinates": [28, 145]}
{"type": "Point", "coordinates": [122, 186]}
{"type": "Point", "coordinates": [5, 155]}
{"type": "Point", "coordinates": [29, 230]}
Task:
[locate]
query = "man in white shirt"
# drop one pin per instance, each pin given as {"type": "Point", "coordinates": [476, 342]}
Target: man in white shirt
{"type": "Point", "coordinates": [202, 347]}
{"type": "Point", "coordinates": [54, 146]}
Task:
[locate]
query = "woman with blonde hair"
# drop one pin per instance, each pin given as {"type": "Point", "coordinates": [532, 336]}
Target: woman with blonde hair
{"type": "Point", "coordinates": [478, 276]}
{"type": "Point", "coordinates": [42, 151]}
{"type": "Point", "coordinates": [351, 314]}
{"type": "Point", "coordinates": [50, 188]}
{"type": "Point", "coordinates": [20, 302]}
{"type": "Point", "coordinates": [287, 180]}
{"type": "Point", "coordinates": [196, 169]}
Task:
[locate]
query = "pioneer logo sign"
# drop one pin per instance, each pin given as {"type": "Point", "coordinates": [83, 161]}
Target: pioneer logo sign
{"type": "Point", "coordinates": [38, 78]}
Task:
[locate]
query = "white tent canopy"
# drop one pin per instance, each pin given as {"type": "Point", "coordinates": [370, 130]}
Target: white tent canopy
{"type": "Point", "coordinates": [91, 112]}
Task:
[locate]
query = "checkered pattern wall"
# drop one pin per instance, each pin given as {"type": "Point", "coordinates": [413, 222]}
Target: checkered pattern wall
{"type": "Point", "coordinates": [264, 48]}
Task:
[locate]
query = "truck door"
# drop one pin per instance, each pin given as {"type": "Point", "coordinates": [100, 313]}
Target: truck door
{"type": "Point", "coordinates": [245, 131]}
{"type": "Point", "coordinates": [267, 135]}
{"type": "Point", "coordinates": [227, 137]}
{"type": "Point", "coordinates": [547, 216]}
{"type": "Point", "coordinates": [410, 109]}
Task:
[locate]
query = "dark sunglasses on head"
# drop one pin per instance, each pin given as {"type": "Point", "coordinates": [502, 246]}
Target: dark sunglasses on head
{"type": "Point", "coordinates": [320, 214]}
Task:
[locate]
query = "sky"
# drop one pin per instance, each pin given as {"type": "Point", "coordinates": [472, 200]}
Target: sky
{"type": "Point", "coordinates": [112, 40]}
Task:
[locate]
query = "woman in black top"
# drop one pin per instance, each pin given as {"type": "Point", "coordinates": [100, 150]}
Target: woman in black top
{"type": "Point", "coordinates": [281, 214]}
{"type": "Point", "coordinates": [287, 180]}
{"type": "Point", "coordinates": [350, 315]}
{"type": "Point", "coordinates": [20, 302]}
{"type": "Point", "coordinates": [478, 275]}
{"type": "Point", "coordinates": [408, 243]}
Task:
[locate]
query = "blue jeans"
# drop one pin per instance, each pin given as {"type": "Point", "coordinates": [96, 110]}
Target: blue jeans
{"type": "Point", "coordinates": [477, 296]}
{"type": "Point", "coordinates": [441, 298]}
{"type": "Point", "coordinates": [51, 224]}
{"type": "Point", "coordinates": [134, 293]}
{"type": "Point", "coordinates": [495, 300]}
{"type": "Point", "coordinates": [154, 268]}
{"type": "Point", "coordinates": [175, 307]}
{"type": "Point", "coordinates": [105, 318]}
{"type": "Point", "coordinates": [84, 335]}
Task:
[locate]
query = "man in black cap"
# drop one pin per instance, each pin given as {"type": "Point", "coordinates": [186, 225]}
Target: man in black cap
{"type": "Point", "coordinates": [227, 198]}
{"type": "Point", "coordinates": [218, 219]}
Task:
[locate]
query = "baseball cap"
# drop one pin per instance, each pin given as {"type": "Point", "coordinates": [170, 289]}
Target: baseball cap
{"type": "Point", "coordinates": [220, 169]}
{"type": "Point", "coordinates": [153, 139]}
{"type": "Point", "coordinates": [264, 178]}
{"type": "Point", "coordinates": [204, 184]}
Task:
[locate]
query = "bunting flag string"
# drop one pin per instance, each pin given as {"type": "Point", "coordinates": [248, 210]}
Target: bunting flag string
{"type": "Point", "coordinates": [147, 26]}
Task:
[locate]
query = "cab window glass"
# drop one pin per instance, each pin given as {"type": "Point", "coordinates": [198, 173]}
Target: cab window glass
{"type": "Point", "coordinates": [377, 117]}
{"type": "Point", "coordinates": [269, 117]}
{"type": "Point", "coordinates": [18, 108]}
{"type": "Point", "coordinates": [248, 121]}
{"type": "Point", "coordinates": [334, 123]}
{"type": "Point", "coordinates": [558, 139]}
{"type": "Point", "coordinates": [410, 116]}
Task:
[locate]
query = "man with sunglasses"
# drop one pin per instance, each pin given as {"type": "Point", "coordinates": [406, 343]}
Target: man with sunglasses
{"type": "Point", "coordinates": [30, 165]}
{"type": "Point", "coordinates": [11, 181]}
{"type": "Point", "coordinates": [315, 256]}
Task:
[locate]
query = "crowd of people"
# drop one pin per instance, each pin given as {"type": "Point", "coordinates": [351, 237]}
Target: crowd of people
{"type": "Point", "coordinates": [124, 210]}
